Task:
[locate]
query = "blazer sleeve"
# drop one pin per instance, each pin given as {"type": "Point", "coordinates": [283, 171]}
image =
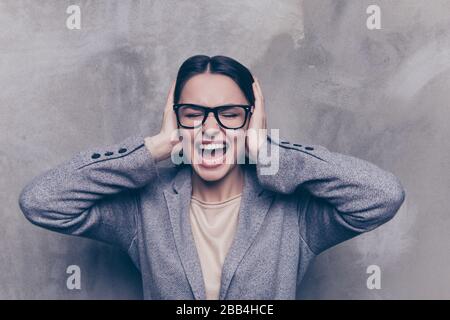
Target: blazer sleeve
{"type": "Point", "coordinates": [94, 194]}
{"type": "Point", "coordinates": [338, 196]}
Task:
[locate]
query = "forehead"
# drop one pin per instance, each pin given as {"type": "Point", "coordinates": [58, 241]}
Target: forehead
{"type": "Point", "coordinates": [212, 90]}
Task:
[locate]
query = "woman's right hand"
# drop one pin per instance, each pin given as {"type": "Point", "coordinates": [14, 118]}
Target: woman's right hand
{"type": "Point", "coordinates": [166, 141]}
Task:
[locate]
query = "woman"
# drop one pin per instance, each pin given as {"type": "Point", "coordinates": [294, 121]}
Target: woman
{"type": "Point", "coordinates": [210, 228]}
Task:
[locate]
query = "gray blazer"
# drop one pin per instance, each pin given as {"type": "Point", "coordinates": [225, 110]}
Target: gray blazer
{"type": "Point", "coordinates": [117, 194]}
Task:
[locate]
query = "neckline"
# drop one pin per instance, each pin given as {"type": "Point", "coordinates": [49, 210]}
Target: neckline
{"type": "Point", "coordinates": [215, 203]}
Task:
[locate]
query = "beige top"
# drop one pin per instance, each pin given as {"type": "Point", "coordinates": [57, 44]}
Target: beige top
{"type": "Point", "coordinates": [213, 226]}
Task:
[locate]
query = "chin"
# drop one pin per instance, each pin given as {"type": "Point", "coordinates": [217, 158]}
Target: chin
{"type": "Point", "coordinates": [212, 173]}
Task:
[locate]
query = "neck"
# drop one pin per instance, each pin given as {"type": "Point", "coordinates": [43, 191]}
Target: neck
{"type": "Point", "coordinates": [215, 191]}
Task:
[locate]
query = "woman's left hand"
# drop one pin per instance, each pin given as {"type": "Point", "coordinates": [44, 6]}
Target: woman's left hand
{"type": "Point", "coordinates": [256, 132]}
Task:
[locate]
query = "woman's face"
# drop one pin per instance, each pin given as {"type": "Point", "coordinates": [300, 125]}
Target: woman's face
{"type": "Point", "coordinates": [212, 90]}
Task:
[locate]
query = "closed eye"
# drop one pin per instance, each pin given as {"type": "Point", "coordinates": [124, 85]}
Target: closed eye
{"type": "Point", "coordinates": [229, 115]}
{"type": "Point", "coordinates": [193, 115]}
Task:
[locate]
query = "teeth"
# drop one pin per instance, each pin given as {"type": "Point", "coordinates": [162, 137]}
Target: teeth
{"type": "Point", "coordinates": [212, 146]}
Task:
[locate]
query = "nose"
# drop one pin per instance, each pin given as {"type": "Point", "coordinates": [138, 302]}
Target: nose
{"type": "Point", "coordinates": [211, 128]}
{"type": "Point", "coordinates": [211, 123]}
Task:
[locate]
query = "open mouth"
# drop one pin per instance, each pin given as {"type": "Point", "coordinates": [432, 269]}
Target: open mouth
{"type": "Point", "coordinates": [212, 154]}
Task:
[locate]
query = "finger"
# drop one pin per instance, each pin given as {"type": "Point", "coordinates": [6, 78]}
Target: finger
{"type": "Point", "coordinates": [256, 91]}
{"type": "Point", "coordinates": [254, 85]}
{"type": "Point", "coordinates": [256, 95]}
{"type": "Point", "coordinates": [259, 102]}
{"type": "Point", "coordinates": [169, 102]}
{"type": "Point", "coordinates": [262, 103]}
{"type": "Point", "coordinates": [169, 121]}
{"type": "Point", "coordinates": [258, 88]}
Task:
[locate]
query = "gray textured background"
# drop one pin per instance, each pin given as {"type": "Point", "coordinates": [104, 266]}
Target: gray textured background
{"type": "Point", "coordinates": [381, 95]}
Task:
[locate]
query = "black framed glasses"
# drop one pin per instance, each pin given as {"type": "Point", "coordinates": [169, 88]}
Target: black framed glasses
{"type": "Point", "coordinates": [231, 116]}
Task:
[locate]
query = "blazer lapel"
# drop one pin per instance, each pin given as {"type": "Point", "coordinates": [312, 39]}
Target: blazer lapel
{"type": "Point", "coordinates": [255, 203]}
{"type": "Point", "coordinates": [178, 200]}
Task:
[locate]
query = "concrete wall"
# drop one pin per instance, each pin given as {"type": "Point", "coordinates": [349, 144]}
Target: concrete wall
{"type": "Point", "coordinates": [381, 95]}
